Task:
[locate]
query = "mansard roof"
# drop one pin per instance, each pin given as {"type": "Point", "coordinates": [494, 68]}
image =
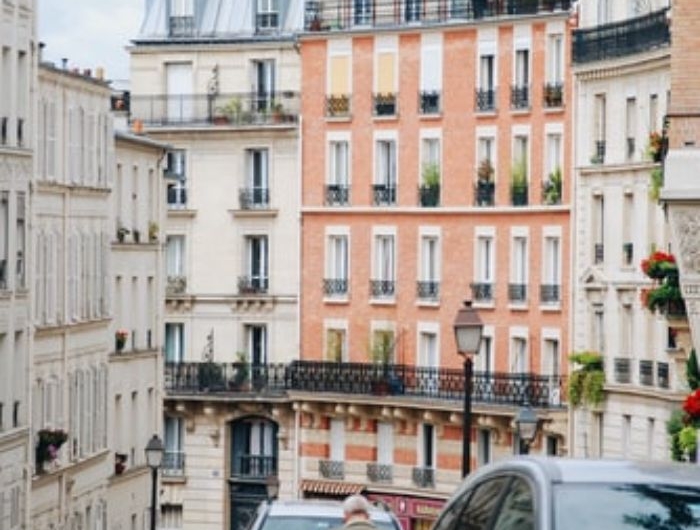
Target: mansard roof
{"type": "Point", "coordinates": [219, 20]}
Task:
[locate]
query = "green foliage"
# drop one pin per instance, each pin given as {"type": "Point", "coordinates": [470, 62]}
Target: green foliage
{"type": "Point", "coordinates": [431, 175]}
{"type": "Point", "coordinates": [688, 439]}
{"type": "Point", "coordinates": [210, 376]}
{"type": "Point", "coordinates": [382, 347]}
{"type": "Point", "coordinates": [692, 371]}
{"type": "Point", "coordinates": [587, 381]}
{"type": "Point", "coordinates": [593, 386]}
{"type": "Point", "coordinates": [552, 187]}
{"type": "Point", "coordinates": [673, 427]}
{"type": "Point", "coordinates": [518, 173]}
{"type": "Point", "coordinates": [657, 182]}
{"type": "Point", "coordinates": [232, 108]}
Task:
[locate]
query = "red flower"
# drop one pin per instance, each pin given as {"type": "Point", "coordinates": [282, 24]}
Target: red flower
{"type": "Point", "coordinates": [691, 405]}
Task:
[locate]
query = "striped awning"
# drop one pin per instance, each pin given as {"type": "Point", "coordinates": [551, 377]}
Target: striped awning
{"type": "Point", "coordinates": [330, 487]}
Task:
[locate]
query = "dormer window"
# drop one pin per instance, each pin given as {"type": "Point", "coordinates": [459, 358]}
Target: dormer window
{"type": "Point", "coordinates": [181, 18]}
{"type": "Point", "coordinates": [267, 15]}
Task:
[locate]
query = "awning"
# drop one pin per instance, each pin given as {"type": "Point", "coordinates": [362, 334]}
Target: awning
{"type": "Point", "coordinates": [331, 487]}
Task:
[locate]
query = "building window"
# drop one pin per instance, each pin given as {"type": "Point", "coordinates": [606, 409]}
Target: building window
{"type": "Point", "coordinates": [21, 237]}
{"type": "Point", "coordinates": [256, 193]}
{"type": "Point", "coordinates": [413, 10]}
{"type": "Point", "coordinates": [337, 439]}
{"type": "Point", "coordinates": [336, 345]}
{"type": "Point", "coordinates": [336, 280]}
{"type": "Point", "coordinates": [631, 128]}
{"type": "Point", "coordinates": [337, 191]}
{"type": "Point", "coordinates": [383, 344]}
{"type": "Point", "coordinates": [255, 279]}
{"type": "Point", "coordinates": [626, 435]}
{"type": "Point", "coordinates": [597, 338]}
{"type": "Point", "coordinates": [484, 362]}
{"type": "Point", "coordinates": [482, 288]}
{"type": "Point", "coordinates": [628, 230]}
{"type": "Point", "coordinates": [598, 229]}
{"type": "Point", "coordinates": [338, 98]}
{"type": "Point", "coordinates": [483, 447]}
{"type": "Point", "coordinates": [174, 342]}
{"type": "Point", "coordinates": [363, 12]}
{"type": "Point", "coordinates": [263, 85]}
{"type": "Point", "coordinates": [426, 453]}
{"type": "Point", "coordinates": [520, 170]}
{"type": "Point", "coordinates": [551, 279]}
{"type": "Point", "coordinates": [517, 289]}
{"type": "Point", "coordinates": [170, 516]}
{"type": "Point", "coordinates": [599, 129]}
{"type": "Point", "coordinates": [486, 92]}
{"type": "Point", "coordinates": [626, 330]}
{"type": "Point", "coordinates": [429, 282]}
{"type": "Point", "coordinates": [604, 11]}
{"type": "Point", "coordinates": [179, 78]}
{"type": "Point", "coordinates": [175, 174]}
{"type": "Point", "coordinates": [256, 342]}
{"type": "Point", "coordinates": [519, 359]}
{"type": "Point", "coordinates": [174, 455]}
{"type": "Point", "coordinates": [384, 273]}
{"type": "Point", "coordinates": [385, 443]}
{"type": "Point", "coordinates": [385, 174]}
{"type": "Point", "coordinates": [431, 75]}
{"type": "Point", "coordinates": [653, 113]}
{"type": "Point", "coordinates": [175, 265]}
{"type": "Point", "coordinates": [520, 92]}
{"type": "Point", "coordinates": [267, 15]}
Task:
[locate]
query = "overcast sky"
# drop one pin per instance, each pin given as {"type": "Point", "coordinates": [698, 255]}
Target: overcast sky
{"type": "Point", "coordinates": [90, 33]}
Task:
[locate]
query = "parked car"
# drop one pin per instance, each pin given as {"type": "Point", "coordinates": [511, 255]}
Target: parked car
{"type": "Point", "coordinates": [311, 514]}
{"type": "Point", "coordinates": [540, 493]}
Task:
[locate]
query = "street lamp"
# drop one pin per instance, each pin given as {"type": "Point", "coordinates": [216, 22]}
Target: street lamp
{"type": "Point", "coordinates": [468, 328]}
{"type": "Point", "coordinates": [154, 457]}
{"type": "Point", "coordinates": [526, 427]}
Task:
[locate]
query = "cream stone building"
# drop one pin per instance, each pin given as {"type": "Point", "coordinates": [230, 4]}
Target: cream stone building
{"type": "Point", "coordinates": [621, 64]}
{"type": "Point", "coordinates": [18, 55]}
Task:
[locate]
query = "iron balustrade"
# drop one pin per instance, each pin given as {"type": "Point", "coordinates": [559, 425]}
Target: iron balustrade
{"type": "Point", "coordinates": [337, 194]}
{"type": "Point", "coordinates": [517, 292]}
{"type": "Point", "coordinates": [338, 106]}
{"type": "Point", "coordinates": [385, 104]}
{"type": "Point", "coordinates": [338, 15]}
{"type": "Point", "coordinates": [485, 192]}
{"type": "Point", "coordinates": [519, 195]}
{"type": "Point", "coordinates": [520, 97]}
{"type": "Point", "coordinates": [384, 194]}
{"type": "Point", "coordinates": [252, 198]}
{"type": "Point", "coordinates": [181, 26]}
{"type": "Point", "coordinates": [382, 288]}
{"type": "Point", "coordinates": [485, 99]}
{"type": "Point", "coordinates": [662, 375]}
{"type": "Point", "coordinates": [627, 253]}
{"type": "Point", "coordinates": [429, 196]}
{"type": "Point", "coordinates": [598, 253]}
{"type": "Point", "coordinates": [621, 39]}
{"type": "Point", "coordinates": [175, 285]}
{"type": "Point", "coordinates": [553, 95]}
{"type": "Point", "coordinates": [428, 290]}
{"type": "Point", "coordinates": [173, 463]}
{"type": "Point", "coordinates": [252, 284]}
{"type": "Point", "coordinates": [550, 293]}
{"type": "Point", "coordinates": [622, 370]}
{"type": "Point", "coordinates": [380, 472]}
{"type": "Point", "coordinates": [253, 466]}
{"type": "Point", "coordinates": [429, 102]}
{"type": "Point", "coordinates": [423, 477]}
{"type": "Point", "coordinates": [646, 373]}
{"type": "Point", "coordinates": [364, 379]}
{"type": "Point", "coordinates": [335, 286]}
{"type": "Point", "coordinates": [241, 109]}
{"type": "Point", "coordinates": [334, 469]}
{"type": "Point", "coordinates": [482, 292]}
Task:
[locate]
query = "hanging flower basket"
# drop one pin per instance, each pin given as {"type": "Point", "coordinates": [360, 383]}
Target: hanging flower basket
{"type": "Point", "coordinates": [48, 444]}
{"type": "Point", "coordinates": [120, 337]}
{"type": "Point", "coordinates": [659, 265]}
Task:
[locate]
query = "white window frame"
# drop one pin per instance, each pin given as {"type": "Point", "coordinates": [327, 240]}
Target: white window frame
{"type": "Point", "coordinates": [552, 263]}
{"type": "Point", "coordinates": [485, 361]}
{"type": "Point", "coordinates": [336, 174]}
{"type": "Point", "coordinates": [336, 325]}
{"type": "Point", "coordinates": [175, 266]}
{"type": "Point", "coordinates": [519, 350]}
{"type": "Point", "coordinates": [381, 269]}
{"type": "Point", "coordinates": [335, 269]}
{"type": "Point", "coordinates": [485, 266]}
{"type": "Point", "coordinates": [385, 443]}
{"type": "Point", "coordinates": [336, 439]}
{"type": "Point", "coordinates": [381, 177]}
{"type": "Point", "coordinates": [519, 266]}
{"type": "Point", "coordinates": [422, 457]}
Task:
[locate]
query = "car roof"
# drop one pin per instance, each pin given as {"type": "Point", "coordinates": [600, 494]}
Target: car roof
{"type": "Point", "coordinates": [576, 470]}
{"type": "Point", "coordinates": [322, 508]}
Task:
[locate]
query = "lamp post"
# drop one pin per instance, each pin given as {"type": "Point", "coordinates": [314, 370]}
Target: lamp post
{"type": "Point", "coordinates": [526, 427]}
{"type": "Point", "coordinates": [468, 328]}
{"type": "Point", "coordinates": [154, 457]}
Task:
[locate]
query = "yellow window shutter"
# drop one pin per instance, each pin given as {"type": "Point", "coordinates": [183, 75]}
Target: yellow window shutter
{"type": "Point", "coordinates": [340, 75]}
{"type": "Point", "coordinates": [385, 72]}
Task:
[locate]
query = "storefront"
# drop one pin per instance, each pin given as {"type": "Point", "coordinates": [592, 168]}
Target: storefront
{"type": "Point", "coordinates": [414, 513]}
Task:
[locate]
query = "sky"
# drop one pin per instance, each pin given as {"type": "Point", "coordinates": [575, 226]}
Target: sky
{"type": "Point", "coordinates": [90, 33]}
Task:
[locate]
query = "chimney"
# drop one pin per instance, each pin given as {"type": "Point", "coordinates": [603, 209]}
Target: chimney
{"type": "Point", "coordinates": [42, 45]}
{"type": "Point", "coordinates": [100, 73]}
{"type": "Point", "coordinates": [64, 63]}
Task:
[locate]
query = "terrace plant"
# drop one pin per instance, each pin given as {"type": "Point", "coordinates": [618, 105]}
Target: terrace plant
{"type": "Point", "coordinates": [587, 380]}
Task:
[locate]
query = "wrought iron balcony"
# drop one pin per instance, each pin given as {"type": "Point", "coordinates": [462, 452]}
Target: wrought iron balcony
{"type": "Point", "coordinates": [429, 102]}
{"type": "Point", "coordinates": [253, 466]}
{"type": "Point", "coordinates": [598, 253]}
{"type": "Point", "coordinates": [176, 285]}
{"type": "Point", "coordinates": [338, 106]}
{"type": "Point", "coordinates": [339, 15]}
{"type": "Point", "coordinates": [362, 379]}
{"type": "Point", "coordinates": [382, 288]}
{"type": "Point", "coordinates": [379, 472]}
{"type": "Point", "coordinates": [337, 194]}
{"type": "Point", "coordinates": [177, 197]}
{"type": "Point", "coordinates": [252, 285]}
{"type": "Point", "coordinates": [335, 286]}
{"type": "Point", "coordinates": [627, 253]}
{"type": "Point", "coordinates": [550, 293]}
{"type": "Point", "coordinates": [622, 370]}
{"type": "Point", "coordinates": [429, 195]}
{"type": "Point", "coordinates": [181, 26]}
{"type": "Point", "coordinates": [485, 191]}
{"type": "Point", "coordinates": [334, 469]}
{"type": "Point", "coordinates": [519, 195]}
{"type": "Point", "coordinates": [173, 463]}
{"type": "Point", "coordinates": [520, 97]}
{"type": "Point", "coordinates": [485, 99]}
{"type": "Point", "coordinates": [428, 290]}
{"type": "Point", "coordinates": [385, 104]}
{"type": "Point", "coordinates": [662, 375]}
{"type": "Point", "coordinates": [482, 292]}
{"type": "Point", "coordinates": [243, 109]}
{"type": "Point", "coordinates": [517, 292]}
{"type": "Point", "coordinates": [423, 477]}
{"type": "Point", "coordinates": [646, 373]}
{"type": "Point", "coordinates": [553, 95]}
{"type": "Point", "coordinates": [384, 194]}
{"type": "Point", "coordinates": [621, 39]}
{"type": "Point", "coordinates": [254, 198]}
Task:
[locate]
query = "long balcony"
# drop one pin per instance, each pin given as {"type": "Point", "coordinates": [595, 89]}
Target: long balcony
{"type": "Point", "coordinates": [339, 15]}
{"type": "Point", "coordinates": [363, 379]}
{"type": "Point", "coordinates": [252, 285]}
{"type": "Point", "coordinates": [249, 109]}
{"type": "Point", "coordinates": [620, 39]}
{"type": "Point", "coordinates": [254, 466]}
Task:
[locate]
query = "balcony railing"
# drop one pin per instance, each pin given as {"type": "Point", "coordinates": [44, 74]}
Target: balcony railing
{"type": "Point", "coordinates": [337, 195]}
{"type": "Point", "coordinates": [173, 463]}
{"type": "Point", "coordinates": [598, 253]}
{"type": "Point", "coordinates": [362, 379]}
{"type": "Point", "coordinates": [517, 292]}
{"type": "Point", "coordinates": [429, 195]}
{"type": "Point", "coordinates": [252, 285]}
{"type": "Point", "coordinates": [485, 193]}
{"type": "Point", "coordinates": [429, 102]}
{"type": "Point", "coordinates": [519, 195]}
{"type": "Point", "coordinates": [520, 97]}
{"type": "Point", "coordinates": [385, 104]}
{"type": "Point", "coordinates": [384, 194]}
{"type": "Point", "coordinates": [622, 370]}
{"type": "Point", "coordinates": [428, 290]}
{"type": "Point", "coordinates": [246, 109]}
{"type": "Point", "coordinates": [334, 469]}
{"type": "Point", "coordinates": [550, 293]}
{"type": "Point", "coordinates": [382, 288]}
{"type": "Point", "coordinates": [553, 95]}
{"type": "Point", "coordinates": [627, 253]}
{"type": "Point", "coordinates": [253, 466]}
{"type": "Point", "coordinates": [254, 198]}
{"type": "Point", "coordinates": [335, 286]}
{"type": "Point", "coordinates": [339, 15]}
{"type": "Point", "coordinates": [646, 373]}
{"type": "Point", "coordinates": [379, 472]}
{"type": "Point", "coordinates": [485, 99]}
{"type": "Point", "coordinates": [662, 375]}
{"type": "Point", "coordinates": [482, 292]}
{"type": "Point", "coordinates": [338, 106]}
{"type": "Point", "coordinates": [423, 477]}
{"type": "Point", "coordinates": [176, 285]}
{"type": "Point", "coordinates": [620, 39]}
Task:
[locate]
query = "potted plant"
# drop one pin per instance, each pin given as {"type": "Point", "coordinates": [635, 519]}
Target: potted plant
{"type": "Point", "coordinates": [230, 112]}
{"type": "Point", "coordinates": [665, 295]}
{"type": "Point", "coordinates": [484, 184]}
{"type": "Point", "coordinates": [241, 374]}
{"type": "Point", "coordinates": [48, 444]}
{"type": "Point", "coordinates": [136, 234]}
{"type": "Point", "coordinates": [277, 110]}
{"type": "Point", "coordinates": [655, 146]}
{"type": "Point", "coordinates": [152, 231]}
{"type": "Point", "coordinates": [120, 337]}
{"type": "Point", "coordinates": [552, 187]}
{"type": "Point", "coordinates": [430, 189]}
{"type": "Point", "coordinates": [587, 380]}
{"type": "Point", "coordinates": [122, 231]}
{"type": "Point", "coordinates": [518, 182]}
{"type": "Point", "coordinates": [120, 463]}
{"type": "Point", "coordinates": [210, 376]}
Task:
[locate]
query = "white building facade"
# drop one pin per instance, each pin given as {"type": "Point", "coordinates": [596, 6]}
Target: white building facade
{"type": "Point", "coordinates": [621, 100]}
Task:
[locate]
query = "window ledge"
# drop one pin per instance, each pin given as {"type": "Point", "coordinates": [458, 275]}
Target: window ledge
{"type": "Point", "coordinates": [431, 117]}
{"type": "Point", "coordinates": [339, 119]}
{"type": "Point", "coordinates": [383, 301]}
{"type": "Point", "coordinates": [428, 303]}
{"type": "Point", "coordinates": [518, 306]}
{"type": "Point", "coordinates": [252, 213]}
{"type": "Point", "coordinates": [392, 117]}
{"type": "Point", "coordinates": [336, 300]}
{"type": "Point", "coordinates": [484, 304]}
{"type": "Point", "coordinates": [550, 308]}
